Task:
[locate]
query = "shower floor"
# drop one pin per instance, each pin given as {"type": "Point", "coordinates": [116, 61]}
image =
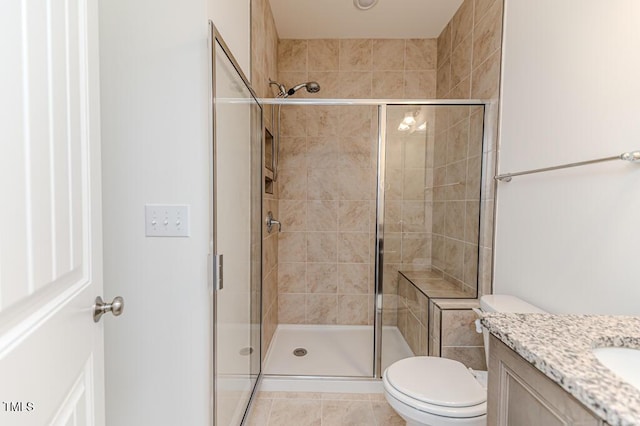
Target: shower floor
{"type": "Point", "coordinates": [332, 350]}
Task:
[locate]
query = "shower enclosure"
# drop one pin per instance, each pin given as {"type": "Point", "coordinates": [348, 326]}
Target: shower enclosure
{"type": "Point", "coordinates": [371, 195]}
{"type": "Point", "coordinates": [370, 191]}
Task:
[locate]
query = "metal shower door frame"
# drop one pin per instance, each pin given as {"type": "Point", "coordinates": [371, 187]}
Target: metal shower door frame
{"type": "Point", "coordinates": [215, 40]}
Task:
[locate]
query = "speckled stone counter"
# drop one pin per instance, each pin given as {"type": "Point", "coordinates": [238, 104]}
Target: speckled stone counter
{"type": "Point", "coordinates": [560, 346]}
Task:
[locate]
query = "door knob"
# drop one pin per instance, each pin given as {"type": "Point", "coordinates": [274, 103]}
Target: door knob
{"type": "Point", "coordinates": [100, 308]}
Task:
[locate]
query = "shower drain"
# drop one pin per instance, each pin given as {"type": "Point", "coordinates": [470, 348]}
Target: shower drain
{"type": "Point", "coordinates": [299, 351]}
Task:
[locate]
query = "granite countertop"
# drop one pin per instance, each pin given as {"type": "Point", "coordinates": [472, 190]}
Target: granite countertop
{"type": "Point", "coordinates": [560, 346]}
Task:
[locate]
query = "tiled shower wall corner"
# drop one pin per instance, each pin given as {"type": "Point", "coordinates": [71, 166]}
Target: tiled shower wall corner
{"type": "Point", "coordinates": [456, 194]}
{"type": "Point", "coordinates": [328, 172]}
{"type": "Point", "coordinates": [469, 52]}
{"type": "Point", "coordinates": [264, 47]}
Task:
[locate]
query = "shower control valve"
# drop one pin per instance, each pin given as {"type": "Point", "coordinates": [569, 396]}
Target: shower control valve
{"type": "Point", "coordinates": [270, 221]}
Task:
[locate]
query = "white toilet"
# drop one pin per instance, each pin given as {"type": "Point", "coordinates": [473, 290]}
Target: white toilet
{"type": "Point", "coordinates": [433, 391]}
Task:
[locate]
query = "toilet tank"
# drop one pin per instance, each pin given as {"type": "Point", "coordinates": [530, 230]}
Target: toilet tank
{"type": "Point", "coordinates": [506, 304]}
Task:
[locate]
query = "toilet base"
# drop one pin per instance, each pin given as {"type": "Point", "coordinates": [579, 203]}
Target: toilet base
{"type": "Point", "coordinates": [415, 417]}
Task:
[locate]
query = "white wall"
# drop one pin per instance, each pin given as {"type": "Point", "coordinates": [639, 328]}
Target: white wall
{"type": "Point", "coordinates": [569, 241]}
{"type": "Point", "coordinates": [233, 21]}
{"type": "Point", "coordinates": [155, 136]}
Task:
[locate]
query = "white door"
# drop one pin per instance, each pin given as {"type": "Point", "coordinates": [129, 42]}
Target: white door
{"type": "Point", "coordinates": [51, 351]}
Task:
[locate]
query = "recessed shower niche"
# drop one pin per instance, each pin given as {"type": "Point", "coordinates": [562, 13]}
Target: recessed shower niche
{"type": "Point", "coordinates": [269, 161]}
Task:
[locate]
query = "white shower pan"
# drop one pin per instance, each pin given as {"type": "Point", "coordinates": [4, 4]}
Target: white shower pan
{"type": "Point", "coordinates": [331, 350]}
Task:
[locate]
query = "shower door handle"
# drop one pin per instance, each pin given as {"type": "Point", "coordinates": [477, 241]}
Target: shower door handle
{"type": "Point", "coordinates": [218, 276]}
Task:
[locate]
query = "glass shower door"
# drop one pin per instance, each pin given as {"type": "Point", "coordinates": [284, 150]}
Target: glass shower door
{"type": "Point", "coordinates": [236, 239]}
{"type": "Point", "coordinates": [431, 215]}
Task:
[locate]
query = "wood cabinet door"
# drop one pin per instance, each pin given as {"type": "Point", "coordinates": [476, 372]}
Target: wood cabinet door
{"type": "Point", "coordinates": [520, 395]}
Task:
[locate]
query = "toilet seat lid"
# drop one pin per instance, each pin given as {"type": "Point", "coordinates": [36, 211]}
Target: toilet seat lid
{"type": "Point", "coordinates": [437, 381]}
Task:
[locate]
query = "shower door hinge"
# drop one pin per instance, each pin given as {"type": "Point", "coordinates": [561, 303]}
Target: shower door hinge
{"type": "Point", "coordinates": [218, 277]}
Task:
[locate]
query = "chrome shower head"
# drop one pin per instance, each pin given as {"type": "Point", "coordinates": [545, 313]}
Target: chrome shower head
{"type": "Point", "coordinates": [311, 86]}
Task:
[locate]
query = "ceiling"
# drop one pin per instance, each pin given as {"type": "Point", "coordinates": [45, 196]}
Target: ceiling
{"type": "Point", "coordinates": [307, 19]}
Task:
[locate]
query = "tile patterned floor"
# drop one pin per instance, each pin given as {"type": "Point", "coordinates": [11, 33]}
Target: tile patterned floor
{"type": "Point", "coordinates": [322, 409]}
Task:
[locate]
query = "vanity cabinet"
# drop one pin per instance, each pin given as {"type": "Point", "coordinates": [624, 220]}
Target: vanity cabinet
{"type": "Point", "coordinates": [521, 395]}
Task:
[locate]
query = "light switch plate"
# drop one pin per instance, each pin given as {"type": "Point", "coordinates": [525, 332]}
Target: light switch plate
{"type": "Point", "coordinates": [162, 220]}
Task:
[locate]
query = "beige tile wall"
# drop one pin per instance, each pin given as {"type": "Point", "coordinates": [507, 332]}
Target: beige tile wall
{"type": "Point", "coordinates": [328, 171]}
{"type": "Point", "coordinates": [453, 334]}
{"type": "Point", "coordinates": [326, 203]}
{"type": "Point", "coordinates": [361, 68]}
{"type": "Point", "coordinates": [456, 194]}
{"type": "Point", "coordinates": [413, 317]}
{"type": "Point", "coordinates": [469, 51]}
{"type": "Point", "coordinates": [264, 45]}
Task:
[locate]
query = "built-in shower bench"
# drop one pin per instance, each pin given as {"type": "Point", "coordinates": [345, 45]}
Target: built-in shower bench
{"type": "Point", "coordinates": [434, 286]}
{"type": "Point", "coordinates": [435, 317]}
